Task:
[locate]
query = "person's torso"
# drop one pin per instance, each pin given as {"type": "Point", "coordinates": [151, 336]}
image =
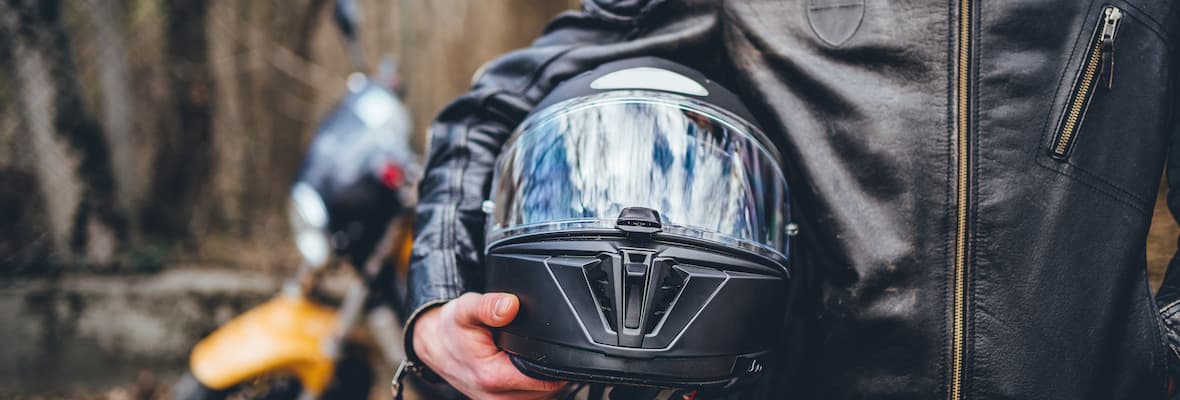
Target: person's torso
{"type": "Point", "coordinates": [974, 182]}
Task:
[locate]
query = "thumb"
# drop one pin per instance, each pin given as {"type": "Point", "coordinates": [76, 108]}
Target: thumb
{"type": "Point", "coordinates": [487, 310]}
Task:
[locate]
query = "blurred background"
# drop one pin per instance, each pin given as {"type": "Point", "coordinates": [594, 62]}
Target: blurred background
{"type": "Point", "coordinates": [147, 149]}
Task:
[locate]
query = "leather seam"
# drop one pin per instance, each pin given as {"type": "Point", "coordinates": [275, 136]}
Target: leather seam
{"type": "Point", "coordinates": [1094, 188]}
{"type": "Point", "coordinates": [1086, 171]}
{"type": "Point", "coordinates": [949, 207]}
{"type": "Point", "coordinates": [450, 235]}
{"type": "Point", "coordinates": [1153, 26]}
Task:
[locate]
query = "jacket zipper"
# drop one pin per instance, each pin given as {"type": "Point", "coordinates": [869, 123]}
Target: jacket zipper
{"type": "Point", "coordinates": [1102, 56]}
{"type": "Point", "coordinates": [1099, 61]}
{"type": "Point", "coordinates": [959, 312]}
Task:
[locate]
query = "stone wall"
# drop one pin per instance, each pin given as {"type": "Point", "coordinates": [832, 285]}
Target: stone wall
{"type": "Point", "coordinates": [140, 133]}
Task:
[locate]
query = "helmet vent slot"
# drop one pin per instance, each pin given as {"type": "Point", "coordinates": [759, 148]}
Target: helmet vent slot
{"type": "Point", "coordinates": [598, 274]}
{"type": "Point", "coordinates": [670, 286]}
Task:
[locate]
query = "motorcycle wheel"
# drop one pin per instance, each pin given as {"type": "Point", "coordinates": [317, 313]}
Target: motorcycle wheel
{"type": "Point", "coordinates": [352, 381]}
{"type": "Point", "coordinates": [189, 388]}
{"type": "Point", "coordinates": [270, 388]}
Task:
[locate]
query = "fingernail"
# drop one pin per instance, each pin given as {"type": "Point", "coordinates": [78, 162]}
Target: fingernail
{"type": "Point", "coordinates": [502, 306]}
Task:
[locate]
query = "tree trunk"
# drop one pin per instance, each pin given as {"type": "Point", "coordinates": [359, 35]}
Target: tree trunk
{"type": "Point", "coordinates": [70, 154]}
{"type": "Point", "coordinates": [115, 94]}
{"type": "Point", "coordinates": [183, 162]}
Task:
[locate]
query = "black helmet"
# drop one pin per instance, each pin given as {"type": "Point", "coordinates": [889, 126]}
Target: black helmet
{"type": "Point", "coordinates": [641, 218]}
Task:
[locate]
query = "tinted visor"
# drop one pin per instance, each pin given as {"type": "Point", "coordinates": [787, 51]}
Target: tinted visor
{"type": "Point", "coordinates": [575, 165]}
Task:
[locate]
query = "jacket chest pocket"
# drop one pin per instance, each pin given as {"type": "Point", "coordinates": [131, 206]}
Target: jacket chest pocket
{"type": "Point", "coordinates": [1108, 122]}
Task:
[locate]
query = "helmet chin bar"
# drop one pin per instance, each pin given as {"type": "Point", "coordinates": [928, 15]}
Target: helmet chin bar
{"type": "Point", "coordinates": [637, 308]}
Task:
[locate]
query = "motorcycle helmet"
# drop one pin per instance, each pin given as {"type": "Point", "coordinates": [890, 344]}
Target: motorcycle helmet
{"type": "Point", "coordinates": [641, 217]}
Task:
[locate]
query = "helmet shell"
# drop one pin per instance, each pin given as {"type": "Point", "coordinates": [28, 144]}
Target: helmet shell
{"type": "Point", "coordinates": [641, 218]}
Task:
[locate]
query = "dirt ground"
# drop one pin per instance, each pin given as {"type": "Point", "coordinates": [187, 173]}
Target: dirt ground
{"type": "Point", "coordinates": [127, 337]}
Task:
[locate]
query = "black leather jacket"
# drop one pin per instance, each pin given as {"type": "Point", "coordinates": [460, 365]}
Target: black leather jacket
{"type": "Point", "coordinates": [973, 180]}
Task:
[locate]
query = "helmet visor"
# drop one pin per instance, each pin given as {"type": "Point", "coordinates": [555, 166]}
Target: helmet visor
{"type": "Point", "coordinates": [577, 164]}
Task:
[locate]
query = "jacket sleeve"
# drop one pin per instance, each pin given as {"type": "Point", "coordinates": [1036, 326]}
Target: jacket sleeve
{"type": "Point", "coordinates": [465, 138]}
{"type": "Point", "coordinates": [1168, 296]}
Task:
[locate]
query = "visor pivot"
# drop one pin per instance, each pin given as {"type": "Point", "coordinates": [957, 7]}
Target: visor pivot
{"type": "Point", "coordinates": [641, 220]}
{"type": "Point", "coordinates": [792, 229]}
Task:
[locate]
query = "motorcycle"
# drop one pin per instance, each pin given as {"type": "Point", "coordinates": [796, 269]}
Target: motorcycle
{"type": "Point", "coordinates": [351, 203]}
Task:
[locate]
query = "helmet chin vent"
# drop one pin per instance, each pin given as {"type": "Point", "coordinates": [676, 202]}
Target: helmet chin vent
{"type": "Point", "coordinates": [670, 286]}
{"type": "Point", "coordinates": [635, 291]}
{"type": "Point", "coordinates": [599, 275]}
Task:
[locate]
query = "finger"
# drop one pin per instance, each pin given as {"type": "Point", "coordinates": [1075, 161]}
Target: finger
{"type": "Point", "coordinates": [488, 310]}
{"type": "Point", "coordinates": [521, 395]}
{"type": "Point", "coordinates": [498, 375]}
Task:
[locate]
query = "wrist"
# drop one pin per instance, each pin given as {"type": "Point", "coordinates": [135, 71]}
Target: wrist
{"type": "Point", "coordinates": [426, 331]}
{"type": "Point", "coordinates": [413, 363]}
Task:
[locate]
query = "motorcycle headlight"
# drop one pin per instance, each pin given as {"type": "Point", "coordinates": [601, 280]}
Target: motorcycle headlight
{"type": "Point", "coordinates": [309, 221]}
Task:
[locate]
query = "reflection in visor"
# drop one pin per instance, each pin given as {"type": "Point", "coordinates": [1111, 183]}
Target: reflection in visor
{"type": "Point", "coordinates": [580, 164]}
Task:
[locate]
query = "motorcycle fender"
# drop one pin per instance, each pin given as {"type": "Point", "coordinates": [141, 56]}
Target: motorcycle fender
{"type": "Point", "coordinates": [283, 335]}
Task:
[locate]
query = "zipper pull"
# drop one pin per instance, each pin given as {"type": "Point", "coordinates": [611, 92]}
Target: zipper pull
{"type": "Point", "coordinates": [1110, 24]}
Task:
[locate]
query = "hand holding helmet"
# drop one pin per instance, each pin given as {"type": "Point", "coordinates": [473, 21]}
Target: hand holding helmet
{"type": "Point", "coordinates": [638, 217]}
{"type": "Point", "coordinates": [455, 341]}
